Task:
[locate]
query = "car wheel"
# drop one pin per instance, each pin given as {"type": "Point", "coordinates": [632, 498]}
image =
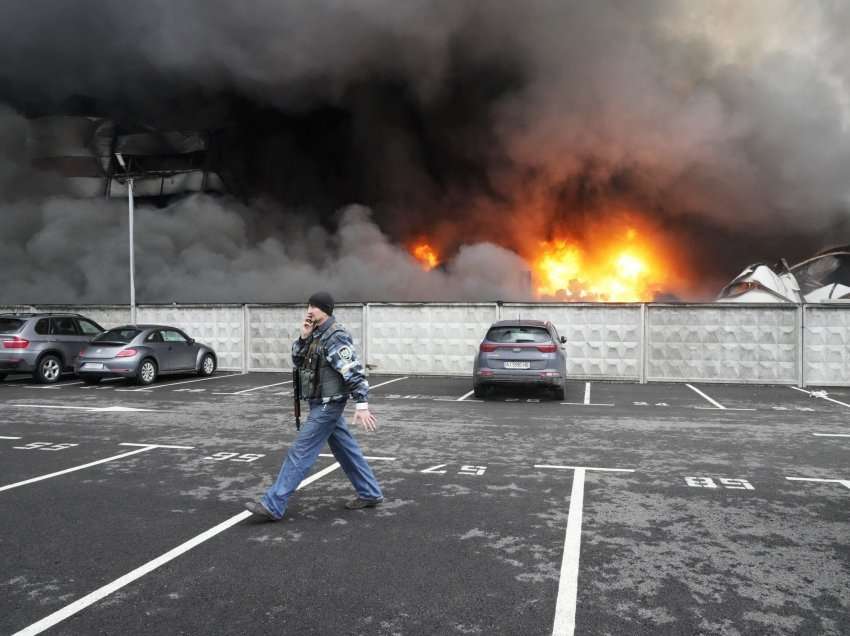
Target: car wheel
{"type": "Point", "coordinates": [2, 376]}
{"type": "Point", "coordinates": [479, 391]}
{"type": "Point", "coordinates": [207, 365]}
{"type": "Point", "coordinates": [92, 380]}
{"type": "Point", "coordinates": [147, 372]}
{"type": "Point", "coordinates": [49, 369]}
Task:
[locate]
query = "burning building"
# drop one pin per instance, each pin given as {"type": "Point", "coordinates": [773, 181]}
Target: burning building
{"type": "Point", "coordinates": [419, 151]}
{"type": "Point", "coordinates": [83, 150]}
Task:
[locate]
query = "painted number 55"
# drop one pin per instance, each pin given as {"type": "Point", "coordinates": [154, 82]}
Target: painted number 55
{"type": "Point", "coordinates": [708, 482]}
{"type": "Point", "coordinates": [234, 457]}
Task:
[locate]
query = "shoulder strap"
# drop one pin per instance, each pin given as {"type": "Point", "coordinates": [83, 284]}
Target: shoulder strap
{"type": "Point", "coordinates": [335, 328]}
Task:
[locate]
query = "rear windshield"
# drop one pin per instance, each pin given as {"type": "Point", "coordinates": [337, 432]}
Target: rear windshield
{"type": "Point", "coordinates": [10, 325]}
{"type": "Point", "coordinates": [518, 334]}
{"type": "Point", "coordinates": [121, 336]}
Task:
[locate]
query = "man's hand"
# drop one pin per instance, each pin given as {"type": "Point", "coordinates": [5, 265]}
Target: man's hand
{"type": "Point", "coordinates": [366, 420]}
{"type": "Point", "coordinates": [307, 327]}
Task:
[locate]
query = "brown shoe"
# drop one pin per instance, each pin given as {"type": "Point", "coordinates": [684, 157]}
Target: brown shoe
{"type": "Point", "coordinates": [258, 508]}
{"type": "Point", "coordinates": [357, 503]}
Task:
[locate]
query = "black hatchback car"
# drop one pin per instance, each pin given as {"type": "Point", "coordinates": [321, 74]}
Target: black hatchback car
{"type": "Point", "coordinates": [521, 352]}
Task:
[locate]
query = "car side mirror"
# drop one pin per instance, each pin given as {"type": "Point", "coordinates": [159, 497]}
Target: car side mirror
{"type": "Point", "coordinates": [191, 341]}
{"type": "Point", "coordinates": [563, 339]}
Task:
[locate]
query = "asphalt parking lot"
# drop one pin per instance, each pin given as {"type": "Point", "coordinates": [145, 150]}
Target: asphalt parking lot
{"type": "Point", "coordinates": [624, 509]}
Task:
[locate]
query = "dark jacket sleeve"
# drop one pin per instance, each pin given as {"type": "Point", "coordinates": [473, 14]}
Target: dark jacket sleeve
{"type": "Point", "coordinates": [299, 349]}
{"type": "Point", "coordinates": [341, 354]}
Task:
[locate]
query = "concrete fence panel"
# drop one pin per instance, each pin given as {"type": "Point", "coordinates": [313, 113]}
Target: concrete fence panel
{"type": "Point", "coordinates": [273, 329]}
{"type": "Point", "coordinates": [219, 326]}
{"type": "Point", "coordinates": [432, 338]}
{"type": "Point", "coordinates": [107, 316]}
{"type": "Point", "coordinates": [603, 341]}
{"type": "Point", "coordinates": [827, 345]}
{"type": "Point", "coordinates": [722, 343]}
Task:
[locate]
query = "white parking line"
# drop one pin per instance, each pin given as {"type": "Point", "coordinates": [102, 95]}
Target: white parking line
{"type": "Point", "coordinates": [587, 392]}
{"type": "Point", "coordinates": [157, 445]}
{"type": "Point", "coordinates": [596, 468]}
{"type": "Point", "coordinates": [100, 593]}
{"type": "Point", "coordinates": [843, 482]}
{"type": "Point", "coordinates": [76, 468]}
{"type": "Point", "coordinates": [374, 459]}
{"type": "Point", "coordinates": [55, 386]}
{"type": "Point", "coordinates": [565, 606]}
{"type": "Point", "coordinates": [712, 400]}
{"type": "Point", "coordinates": [4, 437]}
{"type": "Point", "coordinates": [819, 394]}
{"type": "Point", "coordinates": [830, 435]}
{"type": "Point", "coordinates": [387, 382]}
{"type": "Point", "coordinates": [464, 396]}
{"type": "Point", "coordinates": [151, 387]}
{"type": "Point", "coordinates": [88, 409]}
{"type": "Point", "coordinates": [583, 404]}
{"type": "Point", "coordinates": [254, 388]}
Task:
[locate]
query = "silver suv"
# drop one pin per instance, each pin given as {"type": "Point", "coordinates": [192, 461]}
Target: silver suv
{"type": "Point", "coordinates": [521, 352]}
{"type": "Point", "coordinates": [43, 344]}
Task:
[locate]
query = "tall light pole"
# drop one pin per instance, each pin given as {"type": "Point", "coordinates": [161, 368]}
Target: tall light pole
{"type": "Point", "coordinates": [132, 256]}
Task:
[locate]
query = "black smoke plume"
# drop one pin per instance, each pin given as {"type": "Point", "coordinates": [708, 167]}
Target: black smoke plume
{"type": "Point", "coordinates": [344, 130]}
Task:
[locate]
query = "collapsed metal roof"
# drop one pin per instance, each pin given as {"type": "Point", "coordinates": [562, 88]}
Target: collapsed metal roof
{"type": "Point", "coordinates": [162, 163]}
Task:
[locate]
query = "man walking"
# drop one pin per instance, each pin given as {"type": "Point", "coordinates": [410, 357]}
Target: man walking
{"type": "Point", "coordinates": [329, 371]}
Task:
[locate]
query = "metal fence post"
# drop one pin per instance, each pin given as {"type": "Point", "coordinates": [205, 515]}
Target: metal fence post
{"type": "Point", "coordinates": [801, 345]}
{"type": "Point", "coordinates": [365, 323]}
{"type": "Point", "coordinates": [246, 337]}
{"type": "Point", "coordinates": [643, 354]}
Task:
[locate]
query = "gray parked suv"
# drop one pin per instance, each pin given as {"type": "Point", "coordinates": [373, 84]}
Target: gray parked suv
{"type": "Point", "coordinates": [43, 344]}
{"type": "Point", "coordinates": [521, 352]}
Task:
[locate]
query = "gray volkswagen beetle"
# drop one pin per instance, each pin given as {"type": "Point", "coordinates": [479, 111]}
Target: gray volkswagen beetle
{"type": "Point", "coordinates": [143, 353]}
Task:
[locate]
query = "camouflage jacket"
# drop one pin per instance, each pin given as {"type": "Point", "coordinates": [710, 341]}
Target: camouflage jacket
{"type": "Point", "coordinates": [338, 349]}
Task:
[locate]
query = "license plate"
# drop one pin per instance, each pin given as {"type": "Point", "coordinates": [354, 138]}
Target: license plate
{"type": "Point", "coordinates": [517, 365]}
{"type": "Point", "coordinates": [93, 365]}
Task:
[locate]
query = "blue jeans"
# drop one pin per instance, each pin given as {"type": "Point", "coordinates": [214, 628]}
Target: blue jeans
{"type": "Point", "coordinates": [324, 424]}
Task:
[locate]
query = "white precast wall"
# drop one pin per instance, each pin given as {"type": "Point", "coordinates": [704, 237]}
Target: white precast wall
{"type": "Point", "coordinates": [670, 343]}
{"type": "Point", "coordinates": [220, 326]}
{"type": "Point", "coordinates": [827, 345]}
{"type": "Point", "coordinates": [431, 338]}
{"type": "Point", "coordinates": [723, 343]}
{"type": "Point", "coordinates": [273, 328]}
{"type": "Point", "coordinates": [107, 316]}
{"type": "Point", "coordinates": [603, 341]}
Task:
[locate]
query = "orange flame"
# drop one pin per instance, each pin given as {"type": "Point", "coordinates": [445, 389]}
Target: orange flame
{"type": "Point", "coordinates": [426, 256]}
{"type": "Point", "coordinates": [616, 255]}
{"type": "Point", "coordinates": [620, 270]}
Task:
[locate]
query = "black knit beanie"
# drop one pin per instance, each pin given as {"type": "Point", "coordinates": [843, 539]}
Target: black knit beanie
{"type": "Point", "coordinates": [324, 301]}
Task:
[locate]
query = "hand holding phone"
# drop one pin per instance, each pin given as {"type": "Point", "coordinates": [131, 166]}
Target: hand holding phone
{"type": "Point", "coordinates": [307, 326]}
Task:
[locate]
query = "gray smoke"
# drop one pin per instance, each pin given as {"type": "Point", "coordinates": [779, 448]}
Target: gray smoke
{"type": "Point", "coordinates": [725, 121]}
